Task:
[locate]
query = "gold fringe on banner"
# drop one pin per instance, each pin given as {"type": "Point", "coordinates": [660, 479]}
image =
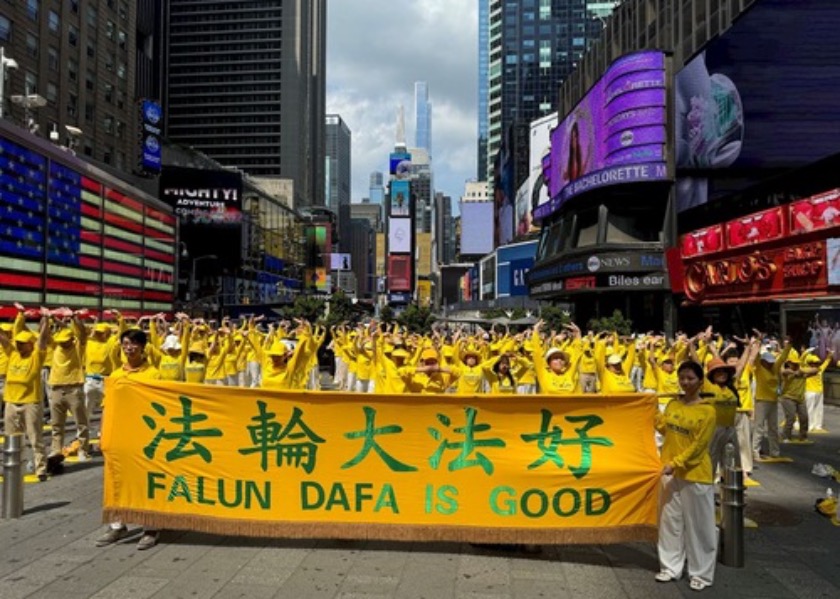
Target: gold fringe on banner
{"type": "Point", "coordinates": [383, 532]}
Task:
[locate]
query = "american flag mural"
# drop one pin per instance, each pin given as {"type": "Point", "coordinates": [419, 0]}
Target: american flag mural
{"type": "Point", "coordinates": [67, 239]}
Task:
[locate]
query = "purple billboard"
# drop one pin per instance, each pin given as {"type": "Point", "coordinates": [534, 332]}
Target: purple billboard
{"type": "Point", "coordinates": [616, 134]}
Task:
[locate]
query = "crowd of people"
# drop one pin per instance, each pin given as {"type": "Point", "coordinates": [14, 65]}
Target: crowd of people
{"type": "Point", "coordinates": [712, 390]}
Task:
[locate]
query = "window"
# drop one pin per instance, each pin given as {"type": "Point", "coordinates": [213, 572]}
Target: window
{"type": "Point", "coordinates": [54, 21]}
{"type": "Point", "coordinates": [109, 29]}
{"type": "Point", "coordinates": [90, 81]}
{"type": "Point", "coordinates": [634, 224]}
{"type": "Point", "coordinates": [109, 93]}
{"type": "Point", "coordinates": [121, 71]}
{"type": "Point", "coordinates": [123, 11]}
{"type": "Point", "coordinates": [52, 92]}
{"type": "Point", "coordinates": [108, 154]}
{"type": "Point", "coordinates": [30, 83]}
{"type": "Point", "coordinates": [108, 124]}
{"type": "Point", "coordinates": [88, 149]}
{"type": "Point", "coordinates": [109, 63]}
{"type": "Point", "coordinates": [73, 35]}
{"type": "Point", "coordinates": [120, 99]}
{"type": "Point", "coordinates": [52, 59]}
{"type": "Point", "coordinates": [121, 38]}
{"type": "Point", "coordinates": [91, 48]}
{"type": "Point", "coordinates": [72, 69]}
{"type": "Point", "coordinates": [74, 6]}
{"type": "Point", "coordinates": [120, 129]}
{"type": "Point", "coordinates": [5, 29]}
{"type": "Point", "coordinates": [89, 112]}
{"type": "Point", "coordinates": [72, 101]}
{"type": "Point", "coordinates": [32, 9]}
{"type": "Point", "coordinates": [587, 230]}
{"type": "Point", "coordinates": [32, 45]}
{"type": "Point", "coordinates": [91, 16]}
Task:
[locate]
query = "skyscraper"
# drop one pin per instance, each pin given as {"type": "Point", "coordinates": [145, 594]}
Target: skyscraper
{"type": "Point", "coordinates": [483, 85]}
{"type": "Point", "coordinates": [246, 86]}
{"type": "Point", "coordinates": [422, 116]}
{"type": "Point", "coordinates": [533, 47]}
{"type": "Point", "coordinates": [376, 193]}
{"type": "Point", "coordinates": [338, 176]}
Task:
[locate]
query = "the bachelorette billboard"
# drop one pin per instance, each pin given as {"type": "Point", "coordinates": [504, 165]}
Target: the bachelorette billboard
{"type": "Point", "coordinates": [616, 134]}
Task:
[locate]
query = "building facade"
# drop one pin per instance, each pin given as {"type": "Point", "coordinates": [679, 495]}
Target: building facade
{"type": "Point", "coordinates": [422, 117]}
{"type": "Point", "coordinates": [246, 85]}
{"type": "Point", "coordinates": [533, 47]}
{"type": "Point", "coordinates": [338, 171]}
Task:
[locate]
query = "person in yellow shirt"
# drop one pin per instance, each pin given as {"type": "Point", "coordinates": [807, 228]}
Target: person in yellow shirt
{"type": "Point", "coordinates": [500, 376]}
{"type": "Point", "coordinates": [719, 387]}
{"type": "Point", "coordinates": [587, 370]}
{"type": "Point", "coordinates": [613, 369]}
{"type": "Point", "coordinates": [6, 328]}
{"type": "Point", "coordinates": [430, 376]}
{"type": "Point", "coordinates": [101, 356]}
{"type": "Point", "coordinates": [24, 410]}
{"type": "Point", "coordinates": [792, 396]}
{"type": "Point", "coordinates": [219, 348]}
{"type": "Point", "coordinates": [66, 387]}
{"type": "Point", "coordinates": [557, 372]}
{"type": "Point", "coordinates": [470, 370]}
{"type": "Point", "coordinates": [814, 392]}
{"type": "Point", "coordinates": [687, 506]}
{"type": "Point", "coordinates": [196, 365]}
{"type": "Point", "coordinates": [136, 367]}
{"type": "Point", "coordinates": [286, 362]}
{"type": "Point", "coordinates": [744, 413]}
{"type": "Point", "coordinates": [766, 421]}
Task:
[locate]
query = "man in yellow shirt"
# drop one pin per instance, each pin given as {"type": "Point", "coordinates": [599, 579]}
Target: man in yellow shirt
{"type": "Point", "coordinates": [66, 387]}
{"type": "Point", "coordinates": [101, 355]}
{"type": "Point", "coordinates": [136, 366]}
{"type": "Point", "coordinates": [24, 411]}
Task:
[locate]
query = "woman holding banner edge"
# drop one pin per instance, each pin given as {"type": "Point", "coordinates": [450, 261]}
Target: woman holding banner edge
{"type": "Point", "coordinates": [687, 504]}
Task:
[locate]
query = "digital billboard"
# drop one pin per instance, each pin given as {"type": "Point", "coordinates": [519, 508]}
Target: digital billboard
{"type": "Point", "coordinates": [69, 237]}
{"type": "Point", "coordinates": [504, 175]}
{"type": "Point", "coordinates": [616, 134]}
{"type": "Point", "coordinates": [400, 198]}
{"type": "Point", "coordinates": [399, 163]}
{"type": "Point", "coordinates": [760, 99]}
{"type": "Point", "coordinates": [339, 261]}
{"type": "Point", "coordinates": [203, 197]}
{"type": "Point", "coordinates": [151, 120]}
{"type": "Point", "coordinates": [399, 273]}
{"type": "Point", "coordinates": [399, 235]}
{"type": "Point", "coordinates": [537, 191]}
{"type": "Point", "coordinates": [476, 228]}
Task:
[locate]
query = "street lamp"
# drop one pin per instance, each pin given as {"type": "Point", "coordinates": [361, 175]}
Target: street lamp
{"type": "Point", "coordinates": [5, 63]}
{"type": "Point", "coordinates": [195, 261]}
{"type": "Point", "coordinates": [29, 101]}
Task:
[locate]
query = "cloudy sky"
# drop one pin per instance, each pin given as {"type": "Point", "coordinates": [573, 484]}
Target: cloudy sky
{"type": "Point", "coordinates": [376, 50]}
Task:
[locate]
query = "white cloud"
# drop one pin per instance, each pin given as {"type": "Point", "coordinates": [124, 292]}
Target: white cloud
{"type": "Point", "coordinates": [376, 50]}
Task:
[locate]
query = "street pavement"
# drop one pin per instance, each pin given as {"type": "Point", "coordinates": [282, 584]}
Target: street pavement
{"type": "Point", "coordinates": [49, 553]}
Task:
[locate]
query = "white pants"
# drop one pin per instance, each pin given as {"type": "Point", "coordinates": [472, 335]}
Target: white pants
{"type": "Point", "coordinates": [94, 391]}
{"type": "Point", "coordinates": [351, 381]}
{"type": "Point", "coordinates": [743, 430]}
{"type": "Point", "coordinates": [814, 405]}
{"type": "Point", "coordinates": [526, 389]}
{"type": "Point", "coordinates": [340, 374]}
{"type": "Point", "coordinates": [232, 380]}
{"type": "Point", "coordinates": [687, 529]}
{"type": "Point", "coordinates": [253, 374]}
{"type": "Point", "coordinates": [364, 386]}
{"type": "Point", "coordinates": [766, 425]}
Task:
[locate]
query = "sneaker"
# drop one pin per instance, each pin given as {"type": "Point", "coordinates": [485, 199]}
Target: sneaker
{"type": "Point", "coordinates": [663, 576]}
{"type": "Point", "coordinates": [83, 456]}
{"type": "Point", "coordinates": [112, 536]}
{"type": "Point", "coordinates": [147, 541]}
{"type": "Point", "coordinates": [697, 585]}
{"type": "Point", "coordinates": [42, 477]}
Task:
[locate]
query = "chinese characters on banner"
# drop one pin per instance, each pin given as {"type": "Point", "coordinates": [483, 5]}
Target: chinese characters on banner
{"type": "Point", "coordinates": [481, 469]}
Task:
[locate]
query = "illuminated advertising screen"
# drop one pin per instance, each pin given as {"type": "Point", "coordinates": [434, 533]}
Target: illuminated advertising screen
{"type": "Point", "coordinates": [400, 198]}
{"type": "Point", "coordinates": [399, 273]}
{"type": "Point", "coordinates": [203, 197]}
{"type": "Point", "coordinates": [399, 163]}
{"type": "Point", "coordinates": [758, 100]}
{"type": "Point", "coordinates": [399, 235]}
{"type": "Point", "coordinates": [476, 228]}
{"type": "Point", "coordinates": [616, 134]}
{"type": "Point", "coordinates": [318, 243]}
{"type": "Point", "coordinates": [151, 120]}
{"type": "Point", "coordinates": [537, 190]}
{"type": "Point", "coordinates": [339, 261]}
{"type": "Point", "coordinates": [504, 199]}
{"type": "Point", "coordinates": [69, 239]}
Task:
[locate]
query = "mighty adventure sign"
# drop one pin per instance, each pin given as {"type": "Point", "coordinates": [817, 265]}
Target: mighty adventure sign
{"type": "Point", "coordinates": [525, 469]}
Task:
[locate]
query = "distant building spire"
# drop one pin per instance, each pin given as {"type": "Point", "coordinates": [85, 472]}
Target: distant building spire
{"type": "Point", "coordinates": [401, 128]}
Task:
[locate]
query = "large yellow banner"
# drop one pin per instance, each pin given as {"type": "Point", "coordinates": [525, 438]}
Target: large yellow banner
{"type": "Point", "coordinates": [512, 469]}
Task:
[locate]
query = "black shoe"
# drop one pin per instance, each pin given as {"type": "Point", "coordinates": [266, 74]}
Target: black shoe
{"type": "Point", "coordinates": [55, 463]}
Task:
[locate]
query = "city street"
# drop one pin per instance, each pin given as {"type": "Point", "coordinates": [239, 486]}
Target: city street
{"type": "Point", "coordinates": [49, 553]}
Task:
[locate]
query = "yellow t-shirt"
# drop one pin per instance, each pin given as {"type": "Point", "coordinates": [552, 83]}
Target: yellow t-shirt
{"type": "Point", "coordinates": [23, 377]}
{"type": "Point", "coordinates": [67, 365]}
{"type": "Point", "coordinates": [724, 402]}
{"type": "Point", "coordinates": [170, 368]}
{"type": "Point", "coordinates": [194, 372]}
{"type": "Point", "coordinates": [99, 356]}
{"type": "Point", "coordinates": [766, 383]}
{"type": "Point", "coordinates": [688, 431]}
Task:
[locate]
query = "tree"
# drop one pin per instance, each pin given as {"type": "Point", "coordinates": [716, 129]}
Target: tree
{"type": "Point", "coordinates": [417, 319]}
{"type": "Point", "coordinates": [386, 314]}
{"type": "Point", "coordinates": [617, 322]}
{"type": "Point", "coordinates": [555, 317]}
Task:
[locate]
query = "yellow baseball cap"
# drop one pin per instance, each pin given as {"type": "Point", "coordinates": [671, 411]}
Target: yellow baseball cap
{"type": "Point", "coordinates": [63, 336]}
{"type": "Point", "coordinates": [26, 337]}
